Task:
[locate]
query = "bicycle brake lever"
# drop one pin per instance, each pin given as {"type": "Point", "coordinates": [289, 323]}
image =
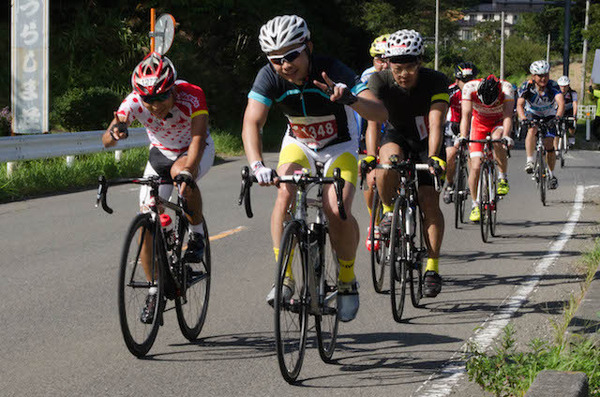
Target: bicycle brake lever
{"type": "Point", "coordinates": [101, 196]}
{"type": "Point", "coordinates": [339, 188]}
{"type": "Point", "coordinates": [245, 191]}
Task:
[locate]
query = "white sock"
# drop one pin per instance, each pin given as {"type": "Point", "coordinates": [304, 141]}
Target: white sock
{"type": "Point", "coordinates": [152, 290]}
{"type": "Point", "coordinates": [550, 174]}
{"type": "Point", "coordinates": [530, 159]}
{"type": "Point", "coordinates": [501, 175]}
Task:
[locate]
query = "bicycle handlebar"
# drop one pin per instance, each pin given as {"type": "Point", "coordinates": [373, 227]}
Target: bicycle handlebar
{"type": "Point", "coordinates": [489, 140]}
{"type": "Point", "coordinates": [403, 165]}
{"type": "Point", "coordinates": [248, 179]}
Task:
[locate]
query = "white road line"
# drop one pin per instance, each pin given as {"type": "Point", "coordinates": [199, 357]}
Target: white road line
{"type": "Point", "coordinates": [442, 382]}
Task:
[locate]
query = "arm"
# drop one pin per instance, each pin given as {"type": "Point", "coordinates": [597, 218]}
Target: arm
{"type": "Point", "coordinates": [521, 108]}
{"type": "Point", "coordinates": [560, 102]}
{"type": "Point", "coordinates": [437, 115]}
{"type": "Point", "coordinates": [198, 144]}
{"type": "Point", "coordinates": [575, 109]}
{"type": "Point", "coordinates": [465, 117]}
{"type": "Point", "coordinates": [110, 140]}
{"type": "Point", "coordinates": [507, 111]}
{"type": "Point", "coordinates": [370, 107]}
{"type": "Point", "coordinates": [372, 138]}
{"type": "Point", "coordinates": [255, 118]}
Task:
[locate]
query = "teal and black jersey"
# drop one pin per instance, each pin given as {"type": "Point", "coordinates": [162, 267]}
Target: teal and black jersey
{"type": "Point", "coordinates": [312, 118]}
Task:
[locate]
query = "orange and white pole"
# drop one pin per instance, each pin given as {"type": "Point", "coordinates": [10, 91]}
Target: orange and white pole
{"type": "Point", "coordinates": [152, 23]}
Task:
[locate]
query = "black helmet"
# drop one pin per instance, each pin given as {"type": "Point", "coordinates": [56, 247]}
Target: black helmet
{"type": "Point", "coordinates": [488, 90]}
{"type": "Point", "coordinates": [465, 71]}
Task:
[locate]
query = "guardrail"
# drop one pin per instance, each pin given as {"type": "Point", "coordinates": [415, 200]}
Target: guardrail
{"type": "Point", "coordinates": [31, 147]}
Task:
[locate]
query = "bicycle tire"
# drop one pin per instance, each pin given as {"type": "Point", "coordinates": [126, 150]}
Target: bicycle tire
{"type": "Point", "coordinates": [133, 288]}
{"type": "Point", "coordinates": [192, 305]}
{"type": "Point", "coordinates": [377, 262]}
{"type": "Point", "coordinates": [493, 210]}
{"type": "Point", "coordinates": [416, 271]}
{"type": "Point", "coordinates": [562, 149]}
{"type": "Point", "coordinates": [397, 257]}
{"type": "Point", "coordinates": [460, 190]}
{"type": "Point", "coordinates": [291, 316]}
{"type": "Point", "coordinates": [542, 177]}
{"type": "Point", "coordinates": [484, 203]}
{"type": "Point", "coordinates": [327, 322]}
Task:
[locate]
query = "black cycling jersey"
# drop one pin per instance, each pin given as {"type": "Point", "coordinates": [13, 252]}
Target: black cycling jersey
{"type": "Point", "coordinates": [409, 109]}
{"type": "Point", "coordinates": [312, 118]}
{"type": "Point", "coordinates": [570, 96]}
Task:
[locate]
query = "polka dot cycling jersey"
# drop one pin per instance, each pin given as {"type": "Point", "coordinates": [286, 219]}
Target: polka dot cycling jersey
{"type": "Point", "coordinates": [483, 113]}
{"type": "Point", "coordinates": [172, 134]}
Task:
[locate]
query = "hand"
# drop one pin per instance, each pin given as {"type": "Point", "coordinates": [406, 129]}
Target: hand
{"type": "Point", "coordinates": [263, 175]}
{"type": "Point", "coordinates": [437, 166]}
{"type": "Point", "coordinates": [338, 92]}
{"type": "Point", "coordinates": [118, 130]}
{"type": "Point", "coordinates": [185, 180]}
{"type": "Point", "coordinates": [459, 141]}
{"type": "Point", "coordinates": [508, 141]}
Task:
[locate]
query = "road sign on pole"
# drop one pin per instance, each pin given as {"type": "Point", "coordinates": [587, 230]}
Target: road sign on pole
{"type": "Point", "coordinates": [29, 65]}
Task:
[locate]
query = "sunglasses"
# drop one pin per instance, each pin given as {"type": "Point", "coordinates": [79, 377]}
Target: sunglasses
{"type": "Point", "coordinates": [288, 57]}
{"type": "Point", "coordinates": [156, 98]}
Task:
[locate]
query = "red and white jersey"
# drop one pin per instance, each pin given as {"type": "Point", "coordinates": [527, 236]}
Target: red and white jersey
{"type": "Point", "coordinates": [455, 100]}
{"type": "Point", "coordinates": [483, 113]}
{"type": "Point", "coordinates": [172, 134]}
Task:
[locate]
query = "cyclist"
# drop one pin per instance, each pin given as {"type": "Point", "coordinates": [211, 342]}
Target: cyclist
{"type": "Point", "coordinates": [570, 96]}
{"type": "Point", "coordinates": [463, 73]}
{"type": "Point", "coordinates": [318, 95]}
{"type": "Point", "coordinates": [540, 99]}
{"type": "Point", "coordinates": [175, 115]}
{"type": "Point", "coordinates": [596, 123]}
{"type": "Point", "coordinates": [417, 102]}
{"type": "Point", "coordinates": [490, 103]}
{"type": "Point", "coordinates": [377, 51]}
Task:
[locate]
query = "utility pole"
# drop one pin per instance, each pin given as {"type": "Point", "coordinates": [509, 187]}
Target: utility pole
{"type": "Point", "coordinates": [585, 44]}
{"type": "Point", "coordinates": [566, 50]}
{"type": "Point", "coordinates": [548, 49]}
{"type": "Point", "coordinates": [437, 31]}
{"type": "Point", "coordinates": [502, 47]}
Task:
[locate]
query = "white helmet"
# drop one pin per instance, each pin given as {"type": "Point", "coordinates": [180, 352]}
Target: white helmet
{"type": "Point", "coordinates": [539, 67]}
{"type": "Point", "coordinates": [283, 31]}
{"type": "Point", "coordinates": [404, 42]}
{"type": "Point", "coordinates": [563, 80]}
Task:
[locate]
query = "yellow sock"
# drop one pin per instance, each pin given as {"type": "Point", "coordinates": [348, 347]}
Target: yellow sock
{"type": "Point", "coordinates": [288, 269]}
{"type": "Point", "coordinates": [370, 211]}
{"type": "Point", "coordinates": [433, 265]}
{"type": "Point", "coordinates": [387, 208]}
{"type": "Point", "coordinates": [346, 270]}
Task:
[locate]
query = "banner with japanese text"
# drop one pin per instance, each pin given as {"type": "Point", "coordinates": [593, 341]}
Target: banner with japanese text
{"type": "Point", "coordinates": [29, 66]}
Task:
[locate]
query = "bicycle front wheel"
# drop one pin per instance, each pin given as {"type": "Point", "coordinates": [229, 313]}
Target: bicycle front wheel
{"type": "Point", "coordinates": [327, 322]}
{"type": "Point", "coordinates": [192, 305]}
{"type": "Point", "coordinates": [291, 302]}
{"type": "Point", "coordinates": [493, 209]}
{"type": "Point", "coordinates": [542, 177]}
{"type": "Point", "coordinates": [398, 256]}
{"type": "Point", "coordinates": [562, 149]}
{"type": "Point", "coordinates": [460, 190]}
{"type": "Point", "coordinates": [484, 203]}
{"type": "Point", "coordinates": [140, 333]}
{"type": "Point", "coordinates": [377, 262]}
{"type": "Point", "coordinates": [416, 269]}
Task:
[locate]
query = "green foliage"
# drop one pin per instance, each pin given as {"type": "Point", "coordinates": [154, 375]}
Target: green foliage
{"type": "Point", "coordinates": [85, 109]}
{"type": "Point", "coordinates": [508, 372]}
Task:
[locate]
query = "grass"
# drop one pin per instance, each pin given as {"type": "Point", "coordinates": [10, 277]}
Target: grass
{"type": "Point", "coordinates": [46, 176]}
{"type": "Point", "coordinates": [507, 372]}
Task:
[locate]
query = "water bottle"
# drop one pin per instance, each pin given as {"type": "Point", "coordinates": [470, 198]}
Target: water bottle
{"type": "Point", "coordinates": [167, 223]}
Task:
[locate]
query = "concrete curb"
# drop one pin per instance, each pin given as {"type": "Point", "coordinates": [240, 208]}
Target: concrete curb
{"type": "Point", "coordinates": [549, 383]}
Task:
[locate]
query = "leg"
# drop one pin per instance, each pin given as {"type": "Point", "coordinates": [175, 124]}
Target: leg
{"type": "Point", "coordinates": [550, 153]}
{"type": "Point", "coordinates": [387, 180]}
{"type": "Point", "coordinates": [433, 226]}
{"type": "Point", "coordinates": [474, 170]}
{"type": "Point", "coordinates": [500, 152]}
{"type": "Point", "coordinates": [451, 152]}
{"type": "Point", "coordinates": [285, 195]}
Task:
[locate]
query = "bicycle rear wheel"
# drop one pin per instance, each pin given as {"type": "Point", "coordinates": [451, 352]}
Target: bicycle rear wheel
{"type": "Point", "coordinates": [493, 211]}
{"type": "Point", "coordinates": [416, 269]}
{"type": "Point", "coordinates": [398, 265]}
{"type": "Point", "coordinates": [460, 190]}
{"type": "Point", "coordinates": [327, 322]}
{"type": "Point", "coordinates": [291, 314]}
{"type": "Point", "coordinates": [192, 305]}
{"type": "Point", "coordinates": [377, 262]}
{"type": "Point", "coordinates": [562, 149]}
{"type": "Point", "coordinates": [484, 203]}
{"type": "Point", "coordinates": [133, 287]}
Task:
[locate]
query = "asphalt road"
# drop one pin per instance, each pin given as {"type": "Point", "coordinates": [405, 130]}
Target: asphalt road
{"type": "Point", "coordinates": [60, 334]}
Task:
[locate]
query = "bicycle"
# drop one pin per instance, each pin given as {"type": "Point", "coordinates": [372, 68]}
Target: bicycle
{"type": "Point", "coordinates": [540, 168]}
{"type": "Point", "coordinates": [461, 184]}
{"type": "Point", "coordinates": [187, 283]}
{"type": "Point", "coordinates": [563, 133]}
{"type": "Point", "coordinates": [308, 262]}
{"type": "Point", "coordinates": [402, 254]}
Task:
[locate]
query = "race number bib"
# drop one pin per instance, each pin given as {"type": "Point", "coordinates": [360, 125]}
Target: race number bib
{"type": "Point", "coordinates": [314, 132]}
{"type": "Point", "coordinates": [421, 127]}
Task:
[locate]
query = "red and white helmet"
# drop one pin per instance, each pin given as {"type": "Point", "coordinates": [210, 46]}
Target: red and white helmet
{"type": "Point", "coordinates": [154, 75]}
{"type": "Point", "coordinates": [283, 31]}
